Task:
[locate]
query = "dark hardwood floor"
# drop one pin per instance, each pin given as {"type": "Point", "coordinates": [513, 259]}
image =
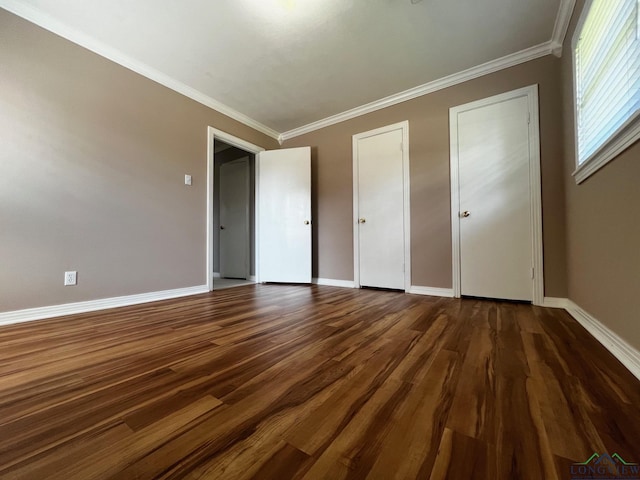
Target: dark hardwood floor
{"type": "Point", "coordinates": [279, 382]}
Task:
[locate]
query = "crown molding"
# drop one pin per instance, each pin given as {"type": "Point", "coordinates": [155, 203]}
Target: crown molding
{"type": "Point", "coordinates": [511, 60]}
{"type": "Point", "coordinates": [47, 22]}
{"type": "Point", "coordinates": [560, 28]}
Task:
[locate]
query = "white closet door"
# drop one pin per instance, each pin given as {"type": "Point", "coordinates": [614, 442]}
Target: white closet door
{"type": "Point", "coordinates": [234, 219]}
{"type": "Point", "coordinates": [495, 201]}
{"type": "Point", "coordinates": [380, 207]}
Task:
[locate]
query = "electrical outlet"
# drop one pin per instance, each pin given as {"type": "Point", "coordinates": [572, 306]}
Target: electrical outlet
{"type": "Point", "coordinates": [70, 278]}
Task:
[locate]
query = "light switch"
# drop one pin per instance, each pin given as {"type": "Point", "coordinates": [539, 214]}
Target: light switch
{"type": "Point", "coordinates": [187, 179]}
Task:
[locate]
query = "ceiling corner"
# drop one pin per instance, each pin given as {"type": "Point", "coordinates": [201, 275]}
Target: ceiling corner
{"type": "Point", "coordinates": [561, 26]}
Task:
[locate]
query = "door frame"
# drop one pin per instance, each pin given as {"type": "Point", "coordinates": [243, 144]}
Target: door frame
{"type": "Point", "coordinates": [404, 126]}
{"type": "Point", "coordinates": [212, 135]}
{"type": "Point", "coordinates": [535, 185]}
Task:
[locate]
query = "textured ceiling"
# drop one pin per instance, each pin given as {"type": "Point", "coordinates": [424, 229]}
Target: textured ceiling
{"type": "Point", "coordinates": [287, 63]}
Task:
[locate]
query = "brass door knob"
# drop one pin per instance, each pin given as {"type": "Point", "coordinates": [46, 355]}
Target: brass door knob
{"type": "Point", "coordinates": [307, 222]}
{"type": "Point", "coordinates": [362, 220]}
{"type": "Point", "coordinates": [465, 214]}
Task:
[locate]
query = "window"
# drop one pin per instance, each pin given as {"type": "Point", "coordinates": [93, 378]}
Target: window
{"type": "Point", "coordinates": [606, 50]}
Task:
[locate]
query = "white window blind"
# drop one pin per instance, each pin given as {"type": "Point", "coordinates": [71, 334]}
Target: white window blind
{"type": "Point", "coordinates": [607, 60]}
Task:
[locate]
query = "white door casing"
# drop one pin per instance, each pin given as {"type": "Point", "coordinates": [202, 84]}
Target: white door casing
{"type": "Point", "coordinates": [234, 219]}
{"type": "Point", "coordinates": [381, 208]}
{"type": "Point", "coordinates": [283, 199]}
{"type": "Point", "coordinates": [212, 135]}
{"type": "Point", "coordinates": [495, 179]}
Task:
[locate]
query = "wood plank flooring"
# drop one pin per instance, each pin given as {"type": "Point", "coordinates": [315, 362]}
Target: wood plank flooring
{"type": "Point", "coordinates": [284, 382]}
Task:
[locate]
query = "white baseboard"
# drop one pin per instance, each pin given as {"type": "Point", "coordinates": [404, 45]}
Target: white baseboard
{"type": "Point", "coordinates": [251, 277]}
{"type": "Point", "coordinates": [553, 302]}
{"type": "Point", "coordinates": [628, 355]}
{"type": "Point", "coordinates": [333, 283]}
{"type": "Point", "coordinates": [29, 314]}
{"type": "Point", "coordinates": [431, 291]}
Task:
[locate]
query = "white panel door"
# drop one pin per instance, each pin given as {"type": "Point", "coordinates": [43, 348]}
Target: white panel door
{"type": "Point", "coordinates": [234, 219]}
{"type": "Point", "coordinates": [284, 215]}
{"type": "Point", "coordinates": [495, 203]}
{"type": "Point", "coordinates": [380, 206]}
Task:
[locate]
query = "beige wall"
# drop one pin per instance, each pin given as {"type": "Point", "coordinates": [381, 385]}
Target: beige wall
{"type": "Point", "coordinates": [430, 196]}
{"type": "Point", "coordinates": [603, 232]}
{"type": "Point", "coordinates": [92, 158]}
{"type": "Point", "coordinates": [92, 164]}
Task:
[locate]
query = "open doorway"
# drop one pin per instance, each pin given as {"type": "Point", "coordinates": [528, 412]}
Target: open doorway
{"type": "Point", "coordinates": [234, 236]}
{"type": "Point", "coordinates": [279, 211]}
{"type": "Point", "coordinates": [215, 136]}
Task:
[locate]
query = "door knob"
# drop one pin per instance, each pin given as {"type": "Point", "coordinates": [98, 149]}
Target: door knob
{"type": "Point", "coordinates": [221, 227]}
{"type": "Point", "coordinates": [362, 220]}
{"type": "Point", "coordinates": [307, 222]}
{"type": "Point", "coordinates": [465, 214]}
